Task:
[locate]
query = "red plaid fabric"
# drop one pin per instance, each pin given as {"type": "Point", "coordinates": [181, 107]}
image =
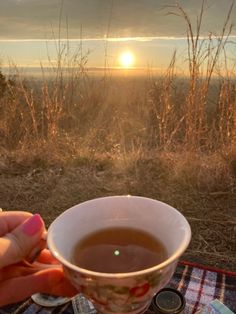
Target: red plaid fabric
{"type": "Point", "coordinates": [199, 284]}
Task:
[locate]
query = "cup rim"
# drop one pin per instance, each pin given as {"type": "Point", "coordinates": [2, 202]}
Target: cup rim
{"type": "Point", "coordinates": [174, 257]}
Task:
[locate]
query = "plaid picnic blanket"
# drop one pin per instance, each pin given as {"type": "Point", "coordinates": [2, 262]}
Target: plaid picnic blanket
{"type": "Point", "coordinates": [199, 284]}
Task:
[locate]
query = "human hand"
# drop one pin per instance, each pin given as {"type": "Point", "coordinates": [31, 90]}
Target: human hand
{"type": "Point", "coordinates": [21, 238]}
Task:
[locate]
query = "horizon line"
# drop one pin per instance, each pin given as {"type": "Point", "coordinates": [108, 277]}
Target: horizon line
{"type": "Point", "coordinates": [111, 39]}
{"type": "Point", "coordinates": [86, 68]}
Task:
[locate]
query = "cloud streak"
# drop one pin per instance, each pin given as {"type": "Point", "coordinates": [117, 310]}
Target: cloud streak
{"type": "Point", "coordinates": [40, 19]}
{"type": "Point", "coordinates": [111, 39]}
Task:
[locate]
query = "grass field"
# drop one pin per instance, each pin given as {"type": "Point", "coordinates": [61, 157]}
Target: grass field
{"type": "Point", "coordinates": [74, 136]}
{"type": "Point", "coordinates": [111, 147]}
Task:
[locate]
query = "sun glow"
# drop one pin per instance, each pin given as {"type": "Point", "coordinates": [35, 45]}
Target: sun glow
{"type": "Point", "coordinates": [126, 59]}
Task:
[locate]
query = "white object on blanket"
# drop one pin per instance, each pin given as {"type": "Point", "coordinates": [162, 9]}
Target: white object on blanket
{"type": "Point", "coordinates": [49, 300]}
{"type": "Point", "coordinates": [215, 307]}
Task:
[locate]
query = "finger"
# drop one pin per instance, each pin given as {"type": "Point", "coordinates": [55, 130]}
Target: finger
{"type": "Point", "coordinates": [20, 242]}
{"type": "Point", "coordinates": [23, 269]}
{"type": "Point", "coordinates": [10, 220]}
{"type": "Point", "coordinates": [16, 270]}
{"type": "Point", "coordinates": [50, 281]}
{"type": "Point", "coordinates": [46, 257]}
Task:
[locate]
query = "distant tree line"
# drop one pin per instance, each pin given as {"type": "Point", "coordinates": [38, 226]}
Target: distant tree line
{"type": "Point", "coordinates": [5, 84]}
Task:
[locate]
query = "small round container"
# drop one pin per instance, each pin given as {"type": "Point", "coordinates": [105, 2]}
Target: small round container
{"type": "Point", "coordinates": [168, 301]}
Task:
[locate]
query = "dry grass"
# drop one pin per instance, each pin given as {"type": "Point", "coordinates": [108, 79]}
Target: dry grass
{"type": "Point", "coordinates": [153, 112]}
{"type": "Point", "coordinates": [74, 137]}
{"type": "Point", "coordinates": [203, 189]}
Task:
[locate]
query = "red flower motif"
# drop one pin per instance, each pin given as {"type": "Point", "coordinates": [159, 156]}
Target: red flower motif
{"type": "Point", "coordinates": [140, 290]}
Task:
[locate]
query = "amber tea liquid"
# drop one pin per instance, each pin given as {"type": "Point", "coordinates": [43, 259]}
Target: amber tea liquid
{"type": "Point", "coordinates": [118, 250]}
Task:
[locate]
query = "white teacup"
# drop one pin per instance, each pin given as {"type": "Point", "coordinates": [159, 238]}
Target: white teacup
{"type": "Point", "coordinates": [123, 292]}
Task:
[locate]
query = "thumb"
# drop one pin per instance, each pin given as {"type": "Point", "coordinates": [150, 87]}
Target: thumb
{"type": "Point", "coordinates": [17, 244]}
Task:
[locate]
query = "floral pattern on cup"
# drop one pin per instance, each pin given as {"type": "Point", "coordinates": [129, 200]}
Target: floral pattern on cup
{"type": "Point", "coordinates": [129, 293]}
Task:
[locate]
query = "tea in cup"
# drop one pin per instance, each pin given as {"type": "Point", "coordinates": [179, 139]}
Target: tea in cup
{"type": "Point", "coordinates": [119, 251]}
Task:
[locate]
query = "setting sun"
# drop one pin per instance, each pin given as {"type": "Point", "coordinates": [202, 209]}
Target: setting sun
{"type": "Point", "coordinates": [126, 59]}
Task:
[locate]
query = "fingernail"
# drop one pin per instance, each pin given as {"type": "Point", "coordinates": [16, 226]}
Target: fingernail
{"type": "Point", "coordinates": [33, 225]}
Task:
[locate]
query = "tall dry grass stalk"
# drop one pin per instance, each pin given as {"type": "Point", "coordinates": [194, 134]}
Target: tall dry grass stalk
{"type": "Point", "coordinates": [165, 117]}
{"type": "Point", "coordinates": [165, 112]}
{"type": "Point", "coordinates": [203, 56]}
{"type": "Point", "coordinates": [226, 108]}
{"type": "Point", "coordinates": [190, 117]}
{"type": "Point", "coordinates": [18, 112]}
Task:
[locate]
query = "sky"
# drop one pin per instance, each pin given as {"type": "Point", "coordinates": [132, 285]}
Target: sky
{"type": "Point", "coordinates": [29, 29]}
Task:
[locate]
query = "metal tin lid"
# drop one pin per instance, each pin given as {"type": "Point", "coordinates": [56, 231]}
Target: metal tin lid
{"type": "Point", "coordinates": [168, 301]}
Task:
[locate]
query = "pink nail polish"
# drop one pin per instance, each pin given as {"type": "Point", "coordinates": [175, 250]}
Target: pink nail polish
{"type": "Point", "coordinates": [33, 225]}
